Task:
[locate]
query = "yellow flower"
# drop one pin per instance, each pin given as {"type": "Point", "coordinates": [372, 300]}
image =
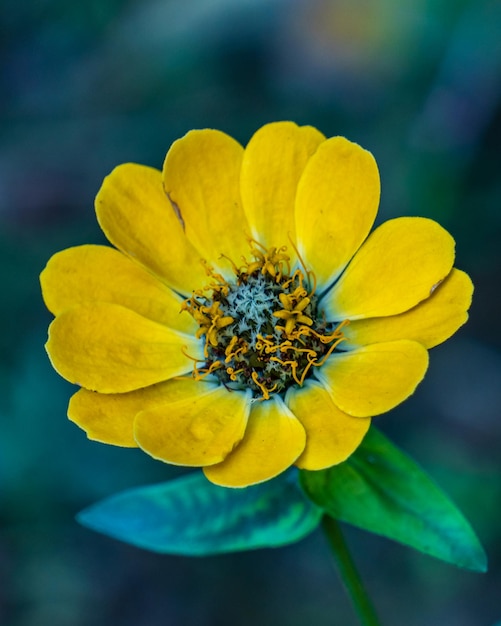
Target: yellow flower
{"type": "Point", "coordinates": [246, 320]}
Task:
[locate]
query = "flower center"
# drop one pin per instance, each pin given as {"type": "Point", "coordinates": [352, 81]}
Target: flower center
{"type": "Point", "coordinates": [263, 330]}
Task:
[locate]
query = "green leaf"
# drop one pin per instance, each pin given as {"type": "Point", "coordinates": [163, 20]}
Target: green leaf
{"type": "Point", "coordinates": [382, 490]}
{"type": "Point", "coordinates": [192, 516]}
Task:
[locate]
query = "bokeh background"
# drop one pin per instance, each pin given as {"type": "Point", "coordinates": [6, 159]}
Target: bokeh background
{"type": "Point", "coordinates": [88, 85]}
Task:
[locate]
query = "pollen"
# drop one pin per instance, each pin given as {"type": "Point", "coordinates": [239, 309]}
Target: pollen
{"type": "Point", "coordinates": [261, 331]}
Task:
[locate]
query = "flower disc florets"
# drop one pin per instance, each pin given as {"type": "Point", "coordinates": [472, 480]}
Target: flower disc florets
{"type": "Point", "coordinates": [263, 330]}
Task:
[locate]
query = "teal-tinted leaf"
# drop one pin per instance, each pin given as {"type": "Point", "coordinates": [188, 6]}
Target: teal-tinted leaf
{"type": "Point", "coordinates": [192, 516]}
{"type": "Point", "coordinates": [382, 490]}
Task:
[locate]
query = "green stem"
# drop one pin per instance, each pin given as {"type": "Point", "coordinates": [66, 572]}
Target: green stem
{"type": "Point", "coordinates": [348, 572]}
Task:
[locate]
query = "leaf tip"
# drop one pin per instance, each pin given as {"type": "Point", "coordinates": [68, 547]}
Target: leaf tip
{"type": "Point", "coordinates": [479, 562]}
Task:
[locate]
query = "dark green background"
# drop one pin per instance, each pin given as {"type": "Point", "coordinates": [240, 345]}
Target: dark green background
{"type": "Point", "coordinates": [85, 86]}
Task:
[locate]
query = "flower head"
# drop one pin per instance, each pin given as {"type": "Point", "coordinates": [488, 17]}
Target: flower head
{"type": "Point", "coordinates": [246, 320]}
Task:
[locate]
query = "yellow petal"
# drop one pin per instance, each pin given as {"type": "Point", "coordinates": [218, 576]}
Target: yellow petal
{"type": "Point", "coordinates": [202, 178]}
{"type": "Point", "coordinates": [101, 274]}
{"type": "Point", "coordinates": [376, 378]}
{"type": "Point", "coordinates": [273, 163]}
{"type": "Point", "coordinates": [398, 266]}
{"type": "Point", "coordinates": [197, 431]}
{"type": "Point", "coordinates": [331, 435]}
{"type": "Point", "coordinates": [109, 418]}
{"type": "Point", "coordinates": [336, 204]}
{"type": "Point", "coordinates": [137, 217]}
{"type": "Point", "coordinates": [273, 441]}
{"type": "Point", "coordinates": [431, 322]}
{"type": "Point", "coordinates": [107, 348]}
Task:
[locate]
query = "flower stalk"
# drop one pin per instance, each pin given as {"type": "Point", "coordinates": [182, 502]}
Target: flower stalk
{"type": "Point", "coordinates": [348, 573]}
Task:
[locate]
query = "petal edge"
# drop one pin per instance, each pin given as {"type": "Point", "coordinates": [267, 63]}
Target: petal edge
{"type": "Point", "coordinates": [331, 435]}
{"type": "Point", "coordinates": [398, 266]}
{"type": "Point", "coordinates": [273, 162]}
{"type": "Point", "coordinates": [430, 322]}
{"type": "Point", "coordinates": [197, 431]}
{"type": "Point", "coordinates": [108, 348]}
{"type": "Point", "coordinates": [273, 441]}
{"type": "Point", "coordinates": [376, 378]}
{"type": "Point", "coordinates": [336, 204]}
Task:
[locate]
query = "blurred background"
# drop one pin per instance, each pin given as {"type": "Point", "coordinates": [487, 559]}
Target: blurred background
{"type": "Point", "coordinates": [88, 85]}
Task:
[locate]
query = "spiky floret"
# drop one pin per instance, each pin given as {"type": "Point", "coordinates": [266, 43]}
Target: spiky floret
{"type": "Point", "coordinates": [263, 330]}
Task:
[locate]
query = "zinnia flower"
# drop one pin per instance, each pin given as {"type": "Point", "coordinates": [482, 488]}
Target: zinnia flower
{"type": "Point", "coordinates": [246, 320]}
